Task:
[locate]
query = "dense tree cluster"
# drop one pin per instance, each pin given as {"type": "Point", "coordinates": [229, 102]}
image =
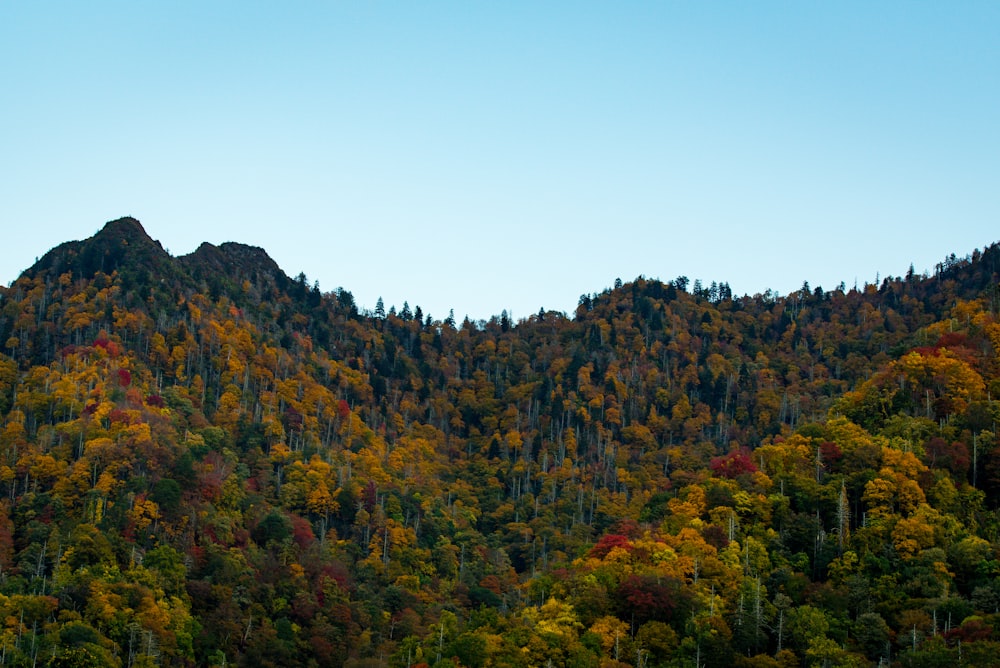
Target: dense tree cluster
{"type": "Point", "coordinates": [204, 462]}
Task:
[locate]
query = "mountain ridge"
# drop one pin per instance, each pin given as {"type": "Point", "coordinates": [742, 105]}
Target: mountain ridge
{"type": "Point", "coordinates": [104, 252]}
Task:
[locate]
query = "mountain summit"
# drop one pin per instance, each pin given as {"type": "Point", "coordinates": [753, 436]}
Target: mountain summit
{"type": "Point", "coordinates": [123, 246]}
{"type": "Point", "coordinates": [233, 263]}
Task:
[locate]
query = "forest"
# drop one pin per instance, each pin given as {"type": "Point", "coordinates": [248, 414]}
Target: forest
{"type": "Point", "coordinates": [206, 462]}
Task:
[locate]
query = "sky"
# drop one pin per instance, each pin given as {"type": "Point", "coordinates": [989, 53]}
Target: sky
{"type": "Point", "coordinates": [488, 156]}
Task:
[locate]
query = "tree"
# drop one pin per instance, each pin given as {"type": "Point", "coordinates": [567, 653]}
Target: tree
{"type": "Point", "coordinates": [806, 625]}
{"type": "Point", "coordinates": [872, 635]}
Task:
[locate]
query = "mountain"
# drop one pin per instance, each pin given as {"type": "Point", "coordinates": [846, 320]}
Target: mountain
{"type": "Point", "coordinates": [206, 462]}
{"type": "Point", "coordinates": [121, 246]}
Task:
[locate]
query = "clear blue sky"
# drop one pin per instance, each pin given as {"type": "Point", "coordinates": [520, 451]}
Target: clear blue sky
{"type": "Point", "coordinates": [486, 156]}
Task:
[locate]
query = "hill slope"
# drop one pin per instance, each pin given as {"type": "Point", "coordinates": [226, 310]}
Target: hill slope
{"type": "Point", "coordinates": [205, 461]}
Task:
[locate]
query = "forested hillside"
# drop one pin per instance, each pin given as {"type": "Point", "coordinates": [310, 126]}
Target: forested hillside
{"type": "Point", "coordinates": [204, 462]}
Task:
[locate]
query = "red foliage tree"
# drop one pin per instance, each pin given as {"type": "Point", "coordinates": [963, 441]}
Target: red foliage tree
{"type": "Point", "coordinates": [644, 598]}
{"type": "Point", "coordinates": [831, 454]}
{"type": "Point", "coordinates": [938, 453]}
{"type": "Point", "coordinates": [607, 543]}
{"type": "Point", "coordinates": [734, 464]}
{"type": "Point", "coordinates": [302, 532]}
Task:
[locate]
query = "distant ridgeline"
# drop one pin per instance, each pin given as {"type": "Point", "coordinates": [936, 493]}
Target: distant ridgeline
{"type": "Point", "coordinates": [204, 462]}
